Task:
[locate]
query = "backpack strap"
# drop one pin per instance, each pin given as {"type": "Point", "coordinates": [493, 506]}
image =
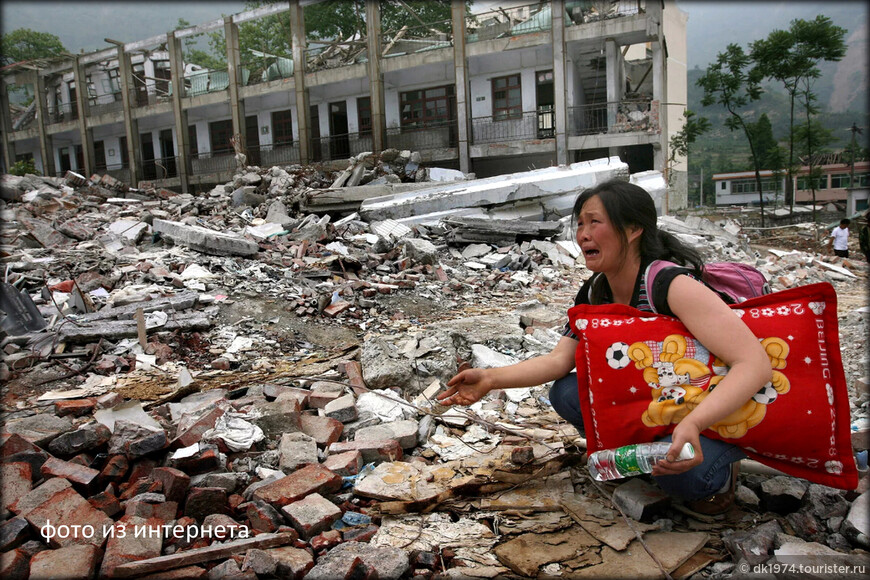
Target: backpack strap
{"type": "Point", "coordinates": [649, 276]}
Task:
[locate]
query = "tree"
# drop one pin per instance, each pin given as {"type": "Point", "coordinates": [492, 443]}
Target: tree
{"type": "Point", "coordinates": [679, 143]}
{"type": "Point", "coordinates": [26, 44]}
{"type": "Point", "coordinates": [731, 82]}
{"type": "Point", "coordinates": [791, 56]}
{"type": "Point", "coordinates": [770, 153]}
{"type": "Point", "coordinates": [812, 137]}
{"type": "Point", "coordinates": [194, 55]}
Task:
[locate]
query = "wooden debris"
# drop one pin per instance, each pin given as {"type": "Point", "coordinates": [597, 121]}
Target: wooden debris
{"type": "Point", "coordinates": [199, 555]}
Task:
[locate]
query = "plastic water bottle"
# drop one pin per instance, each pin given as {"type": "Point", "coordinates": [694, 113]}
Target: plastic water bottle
{"type": "Point", "coordinates": [632, 460]}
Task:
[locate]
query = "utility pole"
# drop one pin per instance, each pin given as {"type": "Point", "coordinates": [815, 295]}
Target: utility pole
{"type": "Point", "coordinates": [702, 187]}
{"type": "Point", "coordinates": [855, 131]}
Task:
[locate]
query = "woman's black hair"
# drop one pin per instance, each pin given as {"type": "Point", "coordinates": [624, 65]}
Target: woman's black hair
{"type": "Point", "coordinates": [628, 205]}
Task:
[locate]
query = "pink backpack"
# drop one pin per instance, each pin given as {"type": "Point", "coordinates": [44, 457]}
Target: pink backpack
{"type": "Point", "coordinates": [734, 281]}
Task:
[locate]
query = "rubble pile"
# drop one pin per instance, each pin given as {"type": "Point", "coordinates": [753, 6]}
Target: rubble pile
{"type": "Point", "coordinates": [224, 385]}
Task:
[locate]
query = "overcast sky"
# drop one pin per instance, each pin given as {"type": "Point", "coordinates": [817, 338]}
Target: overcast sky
{"type": "Point", "coordinates": [84, 25]}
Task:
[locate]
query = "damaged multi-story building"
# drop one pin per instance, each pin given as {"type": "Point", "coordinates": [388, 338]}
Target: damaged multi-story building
{"type": "Point", "coordinates": [489, 92]}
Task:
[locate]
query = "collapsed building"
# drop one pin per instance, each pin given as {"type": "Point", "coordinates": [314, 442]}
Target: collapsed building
{"type": "Point", "coordinates": [236, 384]}
{"type": "Point", "coordinates": [493, 92]}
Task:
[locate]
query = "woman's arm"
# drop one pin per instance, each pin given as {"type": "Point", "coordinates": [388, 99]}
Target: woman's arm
{"type": "Point", "coordinates": [717, 327]}
{"type": "Point", "coordinates": [469, 386]}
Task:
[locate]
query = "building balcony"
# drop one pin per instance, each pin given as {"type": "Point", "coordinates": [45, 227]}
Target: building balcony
{"type": "Point", "coordinates": [530, 125]}
{"type": "Point", "coordinates": [628, 116]}
{"type": "Point", "coordinates": [271, 155]}
{"type": "Point", "coordinates": [218, 162]}
{"type": "Point", "coordinates": [429, 137]}
{"type": "Point", "coordinates": [61, 113]}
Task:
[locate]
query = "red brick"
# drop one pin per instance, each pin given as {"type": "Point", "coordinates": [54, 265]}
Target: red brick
{"type": "Point", "coordinates": [64, 507]}
{"type": "Point", "coordinates": [344, 464]}
{"type": "Point", "coordinates": [74, 407]}
{"type": "Point", "coordinates": [16, 483]}
{"type": "Point", "coordinates": [234, 501]}
{"type": "Point", "coordinates": [165, 511]}
{"type": "Point", "coordinates": [13, 533]}
{"type": "Point", "coordinates": [127, 547]}
{"type": "Point", "coordinates": [334, 310]}
{"type": "Point", "coordinates": [324, 430]}
{"type": "Point", "coordinates": [82, 459]}
{"type": "Point", "coordinates": [203, 501]}
{"type": "Point", "coordinates": [14, 565]}
{"type": "Point", "coordinates": [109, 400]}
{"type": "Point", "coordinates": [374, 451]}
{"type": "Point", "coordinates": [326, 540]}
{"type": "Point", "coordinates": [142, 469]}
{"type": "Point", "coordinates": [275, 391]}
{"type": "Point", "coordinates": [353, 370]}
{"type": "Point", "coordinates": [83, 478]}
{"type": "Point", "coordinates": [174, 481]}
{"type": "Point", "coordinates": [263, 517]}
{"type": "Point", "coordinates": [11, 444]}
{"type": "Point", "coordinates": [222, 527]}
{"type": "Point", "coordinates": [310, 479]}
{"type": "Point", "coordinates": [188, 435]}
{"type": "Point", "coordinates": [70, 563]}
{"type": "Point", "coordinates": [106, 502]}
{"type": "Point", "coordinates": [293, 563]}
{"type": "Point", "coordinates": [360, 534]}
{"type": "Point", "coordinates": [116, 468]}
{"type": "Point", "coordinates": [319, 399]}
{"type": "Point", "coordinates": [144, 485]}
{"type": "Point", "coordinates": [311, 515]}
{"type": "Point", "coordinates": [206, 460]}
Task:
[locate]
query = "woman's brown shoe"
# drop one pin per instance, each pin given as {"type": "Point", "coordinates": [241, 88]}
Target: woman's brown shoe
{"type": "Point", "coordinates": [718, 503]}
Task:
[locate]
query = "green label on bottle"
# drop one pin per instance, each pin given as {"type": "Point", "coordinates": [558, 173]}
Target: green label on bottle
{"type": "Point", "coordinates": [625, 459]}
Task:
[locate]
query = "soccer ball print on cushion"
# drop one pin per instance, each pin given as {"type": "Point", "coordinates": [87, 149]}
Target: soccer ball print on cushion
{"type": "Point", "coordinates": [640, 374]}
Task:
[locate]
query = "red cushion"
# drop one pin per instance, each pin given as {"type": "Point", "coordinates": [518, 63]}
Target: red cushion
{"type": "Point", "coordinates": [639, 374]}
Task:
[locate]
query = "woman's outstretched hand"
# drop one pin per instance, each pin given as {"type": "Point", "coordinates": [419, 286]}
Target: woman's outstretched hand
{"type": "Point", "coordinates": [466, 388]}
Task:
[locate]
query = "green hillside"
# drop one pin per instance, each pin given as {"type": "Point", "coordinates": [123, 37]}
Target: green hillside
{"type": "Point", "coordinates": [721, 150]}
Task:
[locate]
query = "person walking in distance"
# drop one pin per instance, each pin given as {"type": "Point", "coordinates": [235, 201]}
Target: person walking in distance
{"type": "Point", "coordinates": [619, 237]}
{"type": "Point", "coordinates": [839, 238]}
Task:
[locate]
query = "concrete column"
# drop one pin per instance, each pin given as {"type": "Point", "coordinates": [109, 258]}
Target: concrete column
{"type": "Point", "coordinates": [131, 125]}
{"type": "Point", "coordinates": [6, 127]}
{"type": "Point", "coordinates": [463, 108]}
{"type": "Point", "coordinates": [376, 79]}
{"type": "Point", "coordinates": [176, 73]}
{"type": "Point", "coordinates": [83, 111]}
{"type": "Point", "coordinates": [45, 148]}
{"type": "Point", "coordinates": [660, 96]}
{"type": "Point", "coordinates": [234, 70]}
{"type": "Point", "coordinates": [560, 82]}
{"type": "Point", "coordinates": [297, 33]}
{"type": "Point", "coordinates": [614, 80]}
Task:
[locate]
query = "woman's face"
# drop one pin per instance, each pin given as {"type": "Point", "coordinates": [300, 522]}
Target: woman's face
{"type": "Point", "coordinates": [597, 238]}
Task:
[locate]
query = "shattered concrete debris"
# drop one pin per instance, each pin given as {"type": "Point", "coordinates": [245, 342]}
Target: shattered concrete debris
{"type": "Point", "coordinates": [253, 379]}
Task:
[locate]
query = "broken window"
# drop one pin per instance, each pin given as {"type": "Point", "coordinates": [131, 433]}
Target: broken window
{"type": "Point", "coordinates": [427, 107]}
{"type": "Point", "coordinates": [507, 98]}
{"type": "Point", "coordinates": [364, 113]}
{"type": "Point", "coordinates": [282, 127]}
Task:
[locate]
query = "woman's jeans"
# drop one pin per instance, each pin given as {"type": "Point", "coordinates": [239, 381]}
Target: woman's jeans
{"type": "Point", "coordinates": [699, 482]}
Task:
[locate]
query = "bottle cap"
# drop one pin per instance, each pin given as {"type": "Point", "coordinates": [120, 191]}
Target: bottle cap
{"type": "Point", "coordinates": [687, 452]}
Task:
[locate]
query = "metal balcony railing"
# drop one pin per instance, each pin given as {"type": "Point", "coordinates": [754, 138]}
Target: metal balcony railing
{"type": "Point", "coordinates": [212, 162]}
{"type": "Point", "coordinates": [160, 168]}
{"type": "Point", "coordinates": [203, 82]}
{"type": "Point", "coordinates": [265, 68]}
{"type": "Point", "coordinates": [540, 124]}
{"type": "Point", "coordinates": [336, 147]}
{"type": "Point", "coordinates": [62, 113]}
{"type": "Point", "coordinates": [440, 135]}
{"type": "Point", "coordinates": [584, 11]}
{"type": "Point", "coordinates": [508, 22]}
{"type": "Point", "coordinates": [629, 116]}
{"type": "Point", "coordinates": [269, 155]}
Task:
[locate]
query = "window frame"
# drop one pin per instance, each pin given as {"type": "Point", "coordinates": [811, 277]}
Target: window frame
{"type": "Point", "coordinates": [218, 129]}
{"type": "Point", "coordinates": [427, 96]}
{"type": "Point", "coordinates": [278, 120]}
{"type": "Point", "coordinates": [507, 111]}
